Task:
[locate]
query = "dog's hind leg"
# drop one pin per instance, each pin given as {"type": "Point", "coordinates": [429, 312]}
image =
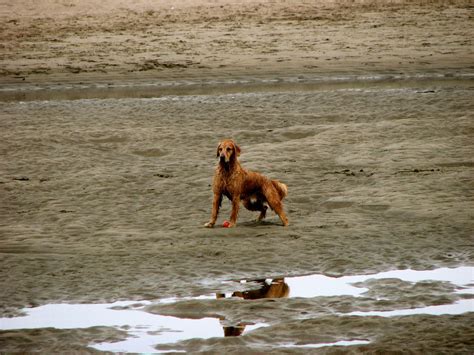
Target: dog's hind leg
{"type": "Point", "coordinates": [256, 206]}
{"type": "Point", "coordinates": [275, 203]}
{"type": "Point", "coordinates": [263, 213]}
{"type": "Point", "coordinates": [278, 208]}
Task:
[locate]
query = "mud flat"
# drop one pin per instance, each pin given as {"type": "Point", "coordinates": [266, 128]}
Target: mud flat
{"type": "Point", "coordinates": [105, 178]}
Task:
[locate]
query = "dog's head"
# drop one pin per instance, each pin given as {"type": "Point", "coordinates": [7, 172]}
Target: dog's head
{"type": "Point", "coordinates": [227, 151]}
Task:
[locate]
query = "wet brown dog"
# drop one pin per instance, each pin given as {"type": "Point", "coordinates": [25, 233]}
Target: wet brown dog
{"type": "Point", "coordinates": [238, 184]}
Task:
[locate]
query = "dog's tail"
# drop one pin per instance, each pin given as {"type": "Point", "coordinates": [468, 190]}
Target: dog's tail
{"type": "Point", "coordinates": [281, 188]}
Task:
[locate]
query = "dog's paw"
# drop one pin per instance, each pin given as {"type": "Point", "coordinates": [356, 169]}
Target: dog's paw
{"type": "Point", "coordinates": [209, 225]}
{"type": "Point", "coordinates": [228, 224]}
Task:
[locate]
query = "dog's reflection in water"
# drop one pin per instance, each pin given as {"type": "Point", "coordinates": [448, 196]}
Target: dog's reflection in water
{"type": "Point", "coordinates": [276, 288]}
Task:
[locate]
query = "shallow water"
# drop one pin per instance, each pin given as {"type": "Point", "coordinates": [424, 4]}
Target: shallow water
{"type": "Point", "coordinates": [147, 330]}
{"type": "Point", "coordinates": [325, 286]}
{"type": "Point", "coordinates": [320, 285]}
{"type": "Point", "coordinates": [322, 345]}
{"type": "Point", "coordinates": [162, 88]}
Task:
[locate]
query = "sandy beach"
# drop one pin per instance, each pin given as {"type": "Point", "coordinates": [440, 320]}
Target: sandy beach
{"type": "Point", "coordinates": [110, 114]}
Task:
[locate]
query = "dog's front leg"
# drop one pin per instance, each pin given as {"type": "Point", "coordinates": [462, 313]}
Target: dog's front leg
{"type": "Point", "coordinates": [216, 203]}
{"type": "Point", "coordinates": [235, 210]}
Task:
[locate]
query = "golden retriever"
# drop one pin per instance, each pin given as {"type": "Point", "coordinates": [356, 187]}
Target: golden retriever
{"type": "Point", "coordinates": [238, 184]}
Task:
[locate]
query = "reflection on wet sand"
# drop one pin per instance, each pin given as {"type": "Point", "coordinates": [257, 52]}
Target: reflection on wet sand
{"type": "Point", "coordinates": [276, 288]}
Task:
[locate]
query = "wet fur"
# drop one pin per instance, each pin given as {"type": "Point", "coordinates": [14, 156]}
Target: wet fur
{"type": "Point", "coordinates": [254, 190]}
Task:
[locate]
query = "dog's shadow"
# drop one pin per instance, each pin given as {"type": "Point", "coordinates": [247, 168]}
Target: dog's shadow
{"type": "Point", "coordinates": [264, 223]}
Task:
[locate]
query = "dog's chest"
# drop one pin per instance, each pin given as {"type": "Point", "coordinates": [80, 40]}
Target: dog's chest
{"type": "Point", "coordinates": [230, 184]}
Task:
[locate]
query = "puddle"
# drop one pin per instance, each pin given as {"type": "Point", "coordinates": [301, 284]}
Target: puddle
{"type": "Point", "coordinates": [322, 345]}
{"type": "Point", "coordinates": [325, 286]}
{"type": "Point", "coordinates": [320, 285]}
{"type": "Point", "coordinates": [147, 330]}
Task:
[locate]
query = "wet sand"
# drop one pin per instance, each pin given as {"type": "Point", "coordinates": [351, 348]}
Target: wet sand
{"type": "Point", "coordinates": [106, 169]}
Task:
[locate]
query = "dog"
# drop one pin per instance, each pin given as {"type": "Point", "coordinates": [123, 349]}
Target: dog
{"type": "Point", "coordinates": [254, 190]}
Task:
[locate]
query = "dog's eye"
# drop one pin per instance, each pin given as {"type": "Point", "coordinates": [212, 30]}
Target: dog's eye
{"type": "Point", "coordinates": [220, 149]}
{"type": "Point", "coordinates": [228, 149]}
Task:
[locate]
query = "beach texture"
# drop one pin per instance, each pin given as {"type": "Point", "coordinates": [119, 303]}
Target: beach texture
{"type": "Point", "coordinates": [110, 114]}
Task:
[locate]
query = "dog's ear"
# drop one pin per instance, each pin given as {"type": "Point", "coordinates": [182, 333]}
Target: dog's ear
{"type": "Point", "coordinates": [217, 150]}
{"type": "Point", "coordinates": [237, 149]}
